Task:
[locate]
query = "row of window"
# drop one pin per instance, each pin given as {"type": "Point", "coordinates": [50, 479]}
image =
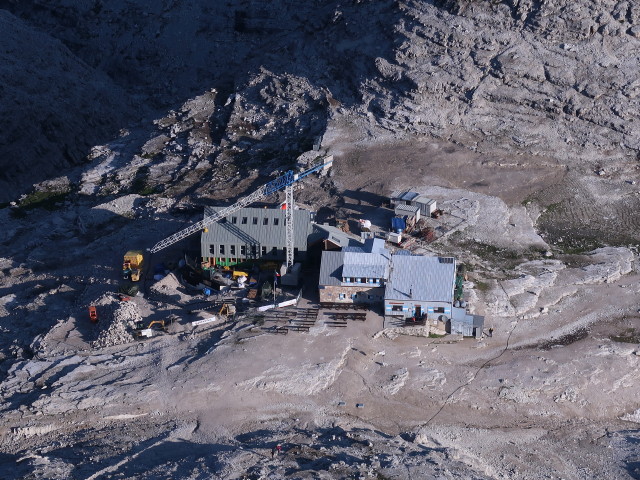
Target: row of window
{"type": "Point", "coordinates": [398, 308]}
{"type": "Point", "coordinates": [360, 280]}
{"type": "Point", "coordinates": [232, 250]}
{"type": "Point", "coordinates": [254, 221]}
{"type": "Point", "coordinates": [355, 296]}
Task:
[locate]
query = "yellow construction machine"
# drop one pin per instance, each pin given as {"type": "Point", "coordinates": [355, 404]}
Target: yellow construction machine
{"type": "Point", "coordinates": [144, 329]}
{"type": "Point", "coordinates": [235, 274]}
{"type": "Point", "coordinates": [132, 265]}
{"type": "Point", "coordinates": [227, 310]}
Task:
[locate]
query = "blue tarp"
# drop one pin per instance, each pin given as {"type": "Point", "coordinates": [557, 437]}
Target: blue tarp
{"type": "Point", "coordinates": [398, 224]}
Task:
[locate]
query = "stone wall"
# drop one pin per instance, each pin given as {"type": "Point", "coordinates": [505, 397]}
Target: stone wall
{"type": "Point", "coordinates": [331, 294]}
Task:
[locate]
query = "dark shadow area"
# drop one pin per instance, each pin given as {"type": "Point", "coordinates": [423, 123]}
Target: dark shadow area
{"type": "Point", "coordinates": [256, 439]}
{"type": "Point", "coordinates": [181, 454]}
{"type": "Point", "coordinates": [368, 198]}
{"type": "Point", "coordinates": [332, 45]}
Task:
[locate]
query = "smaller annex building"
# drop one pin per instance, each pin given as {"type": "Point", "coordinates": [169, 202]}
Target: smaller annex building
{"type": "Point", "coordinates": [253, 234]}
{"type": "Point", "coordinates": [333, 238]}
{"type": "Point", "coordinates": [425, 205]}
{"type": "Point", "coordinates": [354, 274]}
{"type": "Point", "coordinates": [420, 286]}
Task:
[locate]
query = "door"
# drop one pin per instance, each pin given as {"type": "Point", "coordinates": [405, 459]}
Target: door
{"type": "Point", "coordinates": [418, 311]}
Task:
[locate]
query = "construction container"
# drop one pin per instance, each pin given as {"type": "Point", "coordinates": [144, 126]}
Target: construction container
{"type": "Point", "coordinates": [394, 237]}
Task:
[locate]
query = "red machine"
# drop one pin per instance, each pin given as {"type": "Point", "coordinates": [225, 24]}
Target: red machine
{"type": "Point", "coordinates": [93, 314]}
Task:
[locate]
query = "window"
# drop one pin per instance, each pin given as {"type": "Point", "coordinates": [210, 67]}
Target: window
{"type": "Point", "coordinates": [265, 221]}
{"type": "Point", "coordinates": [438, 310]}
{"type": "Point", "coordinates": [254, 249]}
{"type": "Point", "coordinates": [243, 250]}
{"type": "Point", "coordinates": [396, 308]}
{"type": "Point", "coordinates": [372, 280]}
{"type": "Point", "coordinates": [370, 297]}
{"type": "Point", "coordinates": [354, 296]}
{"type": "Point", "coordinates": [276, 221]}
{"type": "Point", "coordinates": [255, 220]}
{"type": "Point", "coordinates": [263, 250]}
{"type": "Point", "coordinates": [341, 296]}
{"type": "Point", "coordinates": [232, 250]}
{"type": "Point", "coordinates": [244, 220]}
{"type": "Point", "coordinates": [221, 249]}
{"type": "Point", "coordinates": [363, 280]}
{"type": "Point", "coordinates": [212, 249]}
{"type": "Point", "coordinates": [234, 220]}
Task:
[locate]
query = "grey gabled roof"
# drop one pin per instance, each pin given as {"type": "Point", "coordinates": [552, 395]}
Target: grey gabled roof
{"type": "Point", "coordinates": [404, 195]}
{"type": "Point", "coordinates": [331, 268]}
{"type": "Point", "coordinates": [363, 264]}
{"type": "Point", "coordinates": [406, 209]}
{"type": "Point", "coordinates": [269, 235]}
{"type": "Point", "coordinates": [421, 278]}
{"type": "Point", "coordinates": [424, 200]}
{"type": "Point", "coordinates": [460, 315]}
{"type": "Point", "coordinates": [370, 245]}
{"type": "Point", "coordinates": [335, 235]}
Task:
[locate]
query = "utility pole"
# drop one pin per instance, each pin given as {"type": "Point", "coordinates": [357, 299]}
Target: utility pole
{"type": "Point", "coordinates": [275, 282]}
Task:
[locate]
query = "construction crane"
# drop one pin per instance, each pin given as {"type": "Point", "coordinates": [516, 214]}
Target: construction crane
{"type": "Point", "coordinates": [284, 181]}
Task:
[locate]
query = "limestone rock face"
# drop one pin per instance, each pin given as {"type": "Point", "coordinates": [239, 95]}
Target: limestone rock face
{"type": "Point", "coordinates": [53, 107]}
{"type": "Point", "coordinates": [550, 79]}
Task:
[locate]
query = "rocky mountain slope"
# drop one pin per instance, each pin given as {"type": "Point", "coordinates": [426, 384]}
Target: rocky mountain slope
{"type": "Point", "coordinates": [53, 107]}
{"type": "Point", "coordinates": [519, 117]}
{"type": "Point", "coordinates": [556, 80]}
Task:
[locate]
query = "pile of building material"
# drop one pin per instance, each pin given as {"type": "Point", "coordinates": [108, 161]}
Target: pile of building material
{"type": "Point", "coordinates": [116, 324]}
{"type": "Point", "coordinates": [169, 287]}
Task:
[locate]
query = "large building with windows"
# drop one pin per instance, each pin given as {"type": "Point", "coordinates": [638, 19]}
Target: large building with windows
{"type": "Point", "coordinates": [253, 234]}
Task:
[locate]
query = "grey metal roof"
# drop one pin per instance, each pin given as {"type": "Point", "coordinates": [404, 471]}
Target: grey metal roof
{"type": "Point", "coordinates": [404, 195]}
{"type": "Point", "coordinates": [421, 278]}
{"type": "Point", "coordinates": [363, 264]}
{"type": "Point", "coordinates": [407, 209]}
{"type": "Point", "coordinates": [460, 315]}
{"type": "Point", "coordinates": [371, 245]}
{"type": "Point", "coordinates": [423, 199]}
{"type": "Point", "coordinates": [270, 235]}
{"type": "Point", "coordinates": [335, 235]}
{"type": "Point", "coordinates": [376, 245]}
{"type": "Point", "coordinates": [331, 268]}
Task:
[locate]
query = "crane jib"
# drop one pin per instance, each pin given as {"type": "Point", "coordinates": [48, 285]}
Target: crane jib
{"type": "Point", "coordinates": [279, 183]}
{"type": "Point", "coordinates": [283, 181]}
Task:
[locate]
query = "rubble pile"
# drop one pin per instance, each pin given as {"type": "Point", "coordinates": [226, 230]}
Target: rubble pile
{"type": "Point", "coordinates": [118, 331]}
{"type": "Point", "coordinates": [169, 288]}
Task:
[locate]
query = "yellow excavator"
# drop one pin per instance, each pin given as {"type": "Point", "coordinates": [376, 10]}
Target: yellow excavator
{"type": "Point", "coordinates": [144, 329]}
{"type": "Point", "coordinates": [132, 265]}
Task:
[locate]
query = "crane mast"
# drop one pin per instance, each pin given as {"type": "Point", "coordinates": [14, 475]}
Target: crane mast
{"type": "Point", "coordinates": [288, 220]}
{"type": "Point", "coordinates": [284, 181]}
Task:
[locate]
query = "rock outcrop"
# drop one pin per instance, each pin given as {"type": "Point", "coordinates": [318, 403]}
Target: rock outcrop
{"type": "Point", "coordinates": [53, 107]}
